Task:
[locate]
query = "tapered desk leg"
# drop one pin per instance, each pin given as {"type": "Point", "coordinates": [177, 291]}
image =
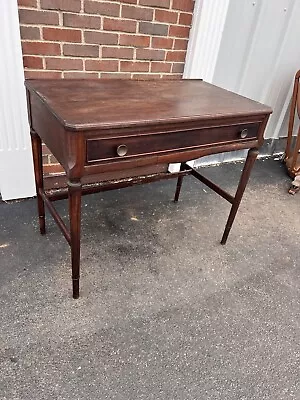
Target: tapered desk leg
{"type": "Point", "coordinates": [178, 186]}
{"type": "Point", "coordinates": [251, 157]}
{"type": "Point", "coordinates": [38, 173]}
{"type": "Point", "coordinates": [74, 190]}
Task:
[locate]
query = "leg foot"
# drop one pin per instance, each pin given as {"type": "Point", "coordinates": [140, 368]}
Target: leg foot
{"type": "Point", "coordinates": [251, 157]}
{"type": "Point", "coordinates": [295, 187]}
{"type": "Point", "coordinates": [75, 288]}
{"type": "Point", "coordinates": [225, 235]}
{"type": "Point", "coordinates": [42, 224]}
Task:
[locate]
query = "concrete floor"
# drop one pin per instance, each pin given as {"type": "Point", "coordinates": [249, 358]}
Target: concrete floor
{"type": "Point", "coordinates": [165, 312]}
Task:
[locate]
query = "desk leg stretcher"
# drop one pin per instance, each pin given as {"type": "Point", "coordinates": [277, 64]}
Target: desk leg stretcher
{"type": "Point", "coordinates": [75, 191]}
{"type": "Point", "coordinates": [234, 200]}
{"type": "Point", "coordinates": [101, 152]}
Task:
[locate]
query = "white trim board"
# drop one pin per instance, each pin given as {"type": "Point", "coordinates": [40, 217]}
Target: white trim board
{"type": "Point", "coordinates": [248, 47]}
{"type": "Point", "coordinates": [16, 166]}
{"type": "Point", "coordinates": [205, 39]}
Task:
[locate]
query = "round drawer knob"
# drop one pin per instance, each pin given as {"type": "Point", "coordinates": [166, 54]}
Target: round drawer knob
{"type": "Point", "coordinates": [122, 150]}
{"type": "Point", "coordinates": [244, 133]}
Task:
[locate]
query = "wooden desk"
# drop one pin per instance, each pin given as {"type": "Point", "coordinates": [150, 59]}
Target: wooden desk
{"type": "Point", "coordinates": [120, 133]}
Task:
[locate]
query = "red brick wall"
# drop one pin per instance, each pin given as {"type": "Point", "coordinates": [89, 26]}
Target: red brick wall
{"type": "Point", "coordinates": [103, 39]}
{"type": "Point", "coordinates": [137, 39]}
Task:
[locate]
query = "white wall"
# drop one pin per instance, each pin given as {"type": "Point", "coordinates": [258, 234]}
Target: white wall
{"type": "Point", "coordinates": [16, 167]}
{"type": "Point", "coordinates": [250, 47]}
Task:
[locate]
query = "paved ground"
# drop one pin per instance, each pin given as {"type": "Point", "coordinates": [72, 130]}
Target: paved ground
{"type": "Point", "coordinates": [165, 312]}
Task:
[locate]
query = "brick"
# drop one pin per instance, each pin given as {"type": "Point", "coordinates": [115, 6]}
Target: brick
{"type": "Point", "coordinates": [100, 37]}
{"type": "Point", "coordinates": [41, 48]}
{"type": "Point", "coordinates": [29, 32]}
{"type": "Point", "coordinates": [38, 17]}
{"type": "Point", "coordinates": [63, 5]}
{"type": "Point", "coordinates": [112, 24]}
{"type": "Point", "coordinates": [62, 35]}
{"type": "Point", "coordinates": [162, 43]}
{"type": "Point", "coordinates": [155, 3]}
{"type": "Point", "coordinates": [179, 31]}
{"type": "Point", "coordinates": [180, 44]}
{"type": "Point", "coordinates": [33, 62]}
{"type": "Point", "coordinates": [184, 5]}
{"type": "Point", "coordinates": [81, 50]}
{"type": "Point", "coordinates": [117, 52]}
{"type": "Point", "coordinates": [52, 159]}
{"type": "Point", "coordinates": [150, 54]}
{"type": "Point", "coordinates": [42, 74]}
{"type": "Point", "coordinates": [166, 16]}
{"type": "Point", "coordinates": [161, 67]}
{"type": "Point", "coordinates": [185, 19]}
{"type": "Point", "coordinates": [153, 29]}
{"type": "Point", "coordinates": [172, 76]}
{"type": "Point", "coordinates": [80, 75]}
{"type": "Point", "coordinates": [135, 40]}
{"type": "Point", "coordinates": [45, 159]}
{"type": "Point", "coordinates": [45, 149]}
{"type": "Point", "coordinates": [102, 65]}
{"type": "Point", "coordinates": [52, 168]}
{"type": "Point", "coordinates": [144, 77]}
{"type": "Point", "coordinates": [176, 56]}
{"type": "Point", "coordinates": [100, 8]}
{"type": "Point", "coordinates": [27, 3]}
{"type": "Point", "coordinates": [82, 21]}
{"type": "Point", "coordinates": [64, 64]}
{"type": "Point", "coordinates": [178, 68]}
{"type": "Point", "coordinates": [134, 66]}
{"type": "Point", "coordinates": [139, 13]}
{"type": "Point", "coordinates": [115, 75]}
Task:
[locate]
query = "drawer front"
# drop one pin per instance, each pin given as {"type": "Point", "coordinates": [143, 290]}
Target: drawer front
{"type": "Point", "coordinates": [126, 147]}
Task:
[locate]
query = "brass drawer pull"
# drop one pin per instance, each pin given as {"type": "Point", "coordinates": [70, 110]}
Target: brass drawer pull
{"type": "Point", "coordinates": [244, 133]}
{"type": "Point", "coordinates": [122, 150]}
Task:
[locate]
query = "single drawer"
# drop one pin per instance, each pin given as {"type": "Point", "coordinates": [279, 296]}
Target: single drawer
{"type": "Point", "coordinates": [126, 147]}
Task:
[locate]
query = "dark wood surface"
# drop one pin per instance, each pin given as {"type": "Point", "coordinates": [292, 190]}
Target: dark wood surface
{"type": "Point", "coordinates": [126, 132]}
{"type": "Point", "coordinates": [159, 122]}
{"type": "Point", "coordinates": [164, 142]}
{"type": "Point", "coordinates": [98, 104]}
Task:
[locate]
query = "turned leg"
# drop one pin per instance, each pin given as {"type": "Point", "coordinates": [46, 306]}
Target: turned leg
{"type": "Point", "coordinates": [74, 190]}
{"type": "Point", "coordinates": [179, 184]}
{"type": "Point", "coordinates": [38, 173]}
{"type": "Point", "coordinates": [251, 157]}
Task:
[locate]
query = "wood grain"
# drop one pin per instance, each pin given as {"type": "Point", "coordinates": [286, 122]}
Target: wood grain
{"type": "Point", "coordinates": [99, 104]}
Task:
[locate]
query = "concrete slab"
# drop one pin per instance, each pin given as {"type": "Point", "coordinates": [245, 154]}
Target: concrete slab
{"type": "Point", "coordinates": [165, 312]}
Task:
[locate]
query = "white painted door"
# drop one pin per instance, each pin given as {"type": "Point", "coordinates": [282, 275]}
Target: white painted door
{"type": "Point", "coordinates": [250, 47]}
{"type": "Point", "coordinates": [16, 167]}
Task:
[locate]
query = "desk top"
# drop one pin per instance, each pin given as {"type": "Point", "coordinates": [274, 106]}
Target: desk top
{"type": "Point", "coordinates": [101, 104]}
